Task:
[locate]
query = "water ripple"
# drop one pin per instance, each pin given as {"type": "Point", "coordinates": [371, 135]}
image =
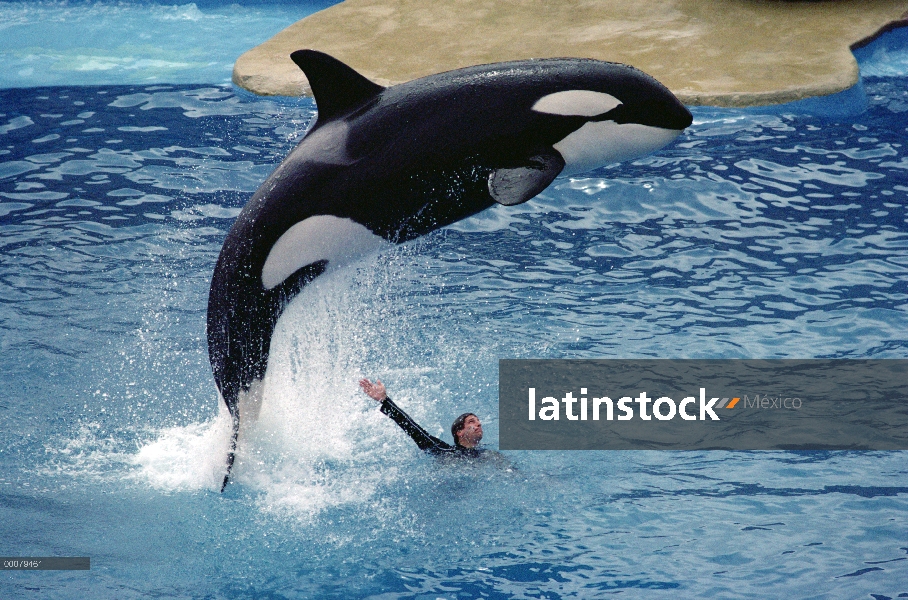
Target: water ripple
{"type": "Point", "coordinates": [754, 236]}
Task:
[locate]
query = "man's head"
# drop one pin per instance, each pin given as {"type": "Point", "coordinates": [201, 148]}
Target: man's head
{"type": "Point", "coordinates": [467, 430]}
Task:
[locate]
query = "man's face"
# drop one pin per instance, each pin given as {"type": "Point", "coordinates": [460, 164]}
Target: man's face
{"type": "Point", "coordinates": [471, 434]}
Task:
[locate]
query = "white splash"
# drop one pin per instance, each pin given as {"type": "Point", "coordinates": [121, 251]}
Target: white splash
{"type": "Point", "coordinates": [191, 457]}
{"type": "Point", "coordinates": [317, 441]}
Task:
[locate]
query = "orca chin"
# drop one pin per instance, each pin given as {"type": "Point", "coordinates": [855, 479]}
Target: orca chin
{"type": "Point", "coordinates": [383, 166]}
{"type": "Point", "coordinates": [584, 150]}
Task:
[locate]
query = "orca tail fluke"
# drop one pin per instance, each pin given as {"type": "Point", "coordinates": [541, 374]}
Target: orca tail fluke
{"type": "Point", "coordinates": [232, 451]}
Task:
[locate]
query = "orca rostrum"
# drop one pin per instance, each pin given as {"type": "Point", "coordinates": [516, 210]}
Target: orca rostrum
{"type": "Point", "coordinates": [383, 166]}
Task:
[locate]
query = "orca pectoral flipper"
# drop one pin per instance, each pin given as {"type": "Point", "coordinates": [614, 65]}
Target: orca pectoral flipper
{"type": "Point", "coordinates": [516, 185]}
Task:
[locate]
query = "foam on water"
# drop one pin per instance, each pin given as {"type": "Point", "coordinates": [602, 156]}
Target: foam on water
{"type": "Point", "coordinates": [190, 457]}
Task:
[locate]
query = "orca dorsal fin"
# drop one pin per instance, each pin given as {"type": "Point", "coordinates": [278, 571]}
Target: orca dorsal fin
{"type": "Point", "coordinates": [337, 88]}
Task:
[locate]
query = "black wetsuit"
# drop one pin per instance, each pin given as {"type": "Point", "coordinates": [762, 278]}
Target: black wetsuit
{"type": "Point", "coordinates": [426, 442]}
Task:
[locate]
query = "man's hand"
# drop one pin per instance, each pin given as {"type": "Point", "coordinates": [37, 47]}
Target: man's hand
{"type": "Point", "coordinates": [376, 390]}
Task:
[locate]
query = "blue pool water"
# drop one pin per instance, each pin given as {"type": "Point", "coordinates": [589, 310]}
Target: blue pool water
{"type": "Point", "coordinates": [760, 233]}
{"type": "Point", "coordinates": [58, 42]}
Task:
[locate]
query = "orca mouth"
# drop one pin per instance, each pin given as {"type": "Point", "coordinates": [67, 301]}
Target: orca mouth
{"type": "Point", "coordinates": [674, 117]}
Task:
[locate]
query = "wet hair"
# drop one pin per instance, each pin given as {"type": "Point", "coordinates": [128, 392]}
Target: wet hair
{"type": "Point", "coordinates": [457, 426]}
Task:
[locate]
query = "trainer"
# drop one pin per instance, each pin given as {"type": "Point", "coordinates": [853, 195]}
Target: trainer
{"type": "Point", "coordinates": [466, 429]}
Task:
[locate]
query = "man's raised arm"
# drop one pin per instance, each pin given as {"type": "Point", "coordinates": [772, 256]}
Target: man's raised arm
{"type": "Point", "coordinates": [423, 440]}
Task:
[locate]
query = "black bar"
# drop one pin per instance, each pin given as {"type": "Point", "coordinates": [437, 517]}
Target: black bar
{"type": "Point", "coordinates": [45, 563]}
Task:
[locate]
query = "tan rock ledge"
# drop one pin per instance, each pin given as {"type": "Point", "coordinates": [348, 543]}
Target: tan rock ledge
{"type": "Point", "coordinates": [709, 52]}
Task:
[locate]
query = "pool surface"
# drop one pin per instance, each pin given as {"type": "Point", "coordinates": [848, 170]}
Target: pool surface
{"type": "Point", "coordinates": [775, 233]}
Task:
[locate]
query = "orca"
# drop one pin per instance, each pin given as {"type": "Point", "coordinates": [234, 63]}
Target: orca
{"type": "Point", "coordinates": [384, 165]}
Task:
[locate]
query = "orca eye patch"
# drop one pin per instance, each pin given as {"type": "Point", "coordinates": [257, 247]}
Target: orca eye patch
{"type": "Point", "coordinates": [577, 103]}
